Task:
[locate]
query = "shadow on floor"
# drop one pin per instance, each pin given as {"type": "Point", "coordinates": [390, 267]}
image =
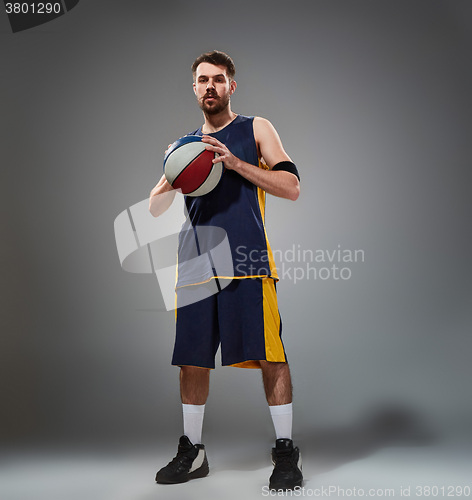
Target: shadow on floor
{"type": "Point", "coordinates": [385, 427]}
{"type": "Point", "coordinates": [329, 448]}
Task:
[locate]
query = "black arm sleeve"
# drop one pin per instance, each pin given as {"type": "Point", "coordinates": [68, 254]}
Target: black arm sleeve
{"type": "Point", "coordinates": [288, 166]}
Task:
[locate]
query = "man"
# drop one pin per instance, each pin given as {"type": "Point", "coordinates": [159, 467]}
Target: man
{"type": "Point", "coordinates": [243, 314]}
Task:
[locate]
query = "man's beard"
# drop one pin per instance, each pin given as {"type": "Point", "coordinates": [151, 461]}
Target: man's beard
{"type": "Point", "coordinates": [220, 104]}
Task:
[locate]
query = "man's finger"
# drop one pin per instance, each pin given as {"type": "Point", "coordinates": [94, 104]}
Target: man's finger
{"type": "Point", "coordinates": [216, 149]}
{"type": "Point", "coordinates": [211, 140]}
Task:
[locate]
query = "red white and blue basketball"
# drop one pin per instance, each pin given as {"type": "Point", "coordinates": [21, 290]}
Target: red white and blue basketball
{"type": "Point", "coordinates": [188, 166]}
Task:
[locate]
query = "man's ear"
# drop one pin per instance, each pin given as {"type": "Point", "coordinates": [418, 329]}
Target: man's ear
{"type": "Point", "coordinates": [194, 88]}
{"type": "Point", "coordinates": [232, 87]}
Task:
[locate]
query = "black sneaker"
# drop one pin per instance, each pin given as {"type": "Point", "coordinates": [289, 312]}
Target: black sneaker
{"type": "Point", "coordinates": [287, 474]}
{"type": "Point", "coordinates": [191, 462]}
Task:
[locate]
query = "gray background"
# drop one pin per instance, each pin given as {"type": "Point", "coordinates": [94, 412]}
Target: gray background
{"type": "Point", "coordinates": [372, 102]}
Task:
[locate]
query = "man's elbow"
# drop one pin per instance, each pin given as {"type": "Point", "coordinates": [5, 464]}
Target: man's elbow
{"type": "Point", "coordinates": [153, 205]}
{"type": "Point", "coordinates": [160, 202]}
{"type": "Point", "coordinates": [152, 212]}
{"type": "Point", "coordinates": [294, 191]}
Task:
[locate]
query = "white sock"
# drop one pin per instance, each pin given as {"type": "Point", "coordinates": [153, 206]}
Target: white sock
{"type": "Point", "coordinates": [193, 422]}
{"type": "Point", "coordinates": [282, 418]}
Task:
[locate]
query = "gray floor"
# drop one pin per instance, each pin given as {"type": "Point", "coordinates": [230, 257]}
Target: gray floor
{"type": "Point", "coordinates": [336, 465]}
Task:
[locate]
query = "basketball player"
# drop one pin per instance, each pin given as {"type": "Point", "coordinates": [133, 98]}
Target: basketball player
{"type": "Point", "coordinates": [243, 315]}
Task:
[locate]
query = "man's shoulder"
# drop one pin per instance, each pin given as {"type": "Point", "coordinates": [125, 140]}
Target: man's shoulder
{"type": "Point", "coordinates": [263, 127]}
{"type": "Point", "coordinates": [259, 120]}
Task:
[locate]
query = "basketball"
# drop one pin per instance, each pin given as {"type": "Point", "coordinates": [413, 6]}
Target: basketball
{"type": "Point", "coordinates": [188, 166]}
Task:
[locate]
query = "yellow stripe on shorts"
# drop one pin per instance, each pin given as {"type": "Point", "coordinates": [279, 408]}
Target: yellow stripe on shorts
{"type": "Point", "coordinates": [273, 343]}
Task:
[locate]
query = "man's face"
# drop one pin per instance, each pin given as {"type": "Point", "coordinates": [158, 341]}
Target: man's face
{"type": "Point", "coordinates": [213, 88]}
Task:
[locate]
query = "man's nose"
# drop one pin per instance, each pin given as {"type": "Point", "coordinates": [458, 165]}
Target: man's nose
{"type": "Point", "coordinates": [210, 84]}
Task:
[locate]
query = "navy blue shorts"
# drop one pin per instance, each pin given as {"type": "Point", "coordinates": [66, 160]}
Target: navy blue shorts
{"type": "Point", "coordinates": [243, 317]}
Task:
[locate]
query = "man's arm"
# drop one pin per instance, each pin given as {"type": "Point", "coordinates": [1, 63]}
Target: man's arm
{"type": "Point", "coordinates": [278, 183]}
{"type": "Point", "coordinates": [161, 197]}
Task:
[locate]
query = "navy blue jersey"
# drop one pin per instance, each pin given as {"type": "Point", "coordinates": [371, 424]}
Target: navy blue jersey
{"type": "Point", "coordinates": [235, 206]}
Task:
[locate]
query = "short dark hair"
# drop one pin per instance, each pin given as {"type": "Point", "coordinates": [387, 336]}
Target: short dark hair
{"type": "Point", "coordinates": [217, 58]}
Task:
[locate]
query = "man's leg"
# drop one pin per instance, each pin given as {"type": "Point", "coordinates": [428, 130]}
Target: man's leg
{"type": "Point", "coordinates": [287, 463]}
{"type": "Point", "coordinates": [194, 388]}
{"type": "Point", "coordinates": [191, 461]}
{"type": "Point", "coordinates": [277, 382]}
{"type": "Point", "coordinates": [194, 385]}
{"type": "Point", "coordinates": [278, 390]}
{"type": "Point", "coordinates": [196, 342]}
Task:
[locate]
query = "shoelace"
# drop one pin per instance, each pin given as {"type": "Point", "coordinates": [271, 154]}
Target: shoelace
{"type": "Point", "coordinates": [181, 458]}
{"type": "Point", "coordinates": [284, 460]}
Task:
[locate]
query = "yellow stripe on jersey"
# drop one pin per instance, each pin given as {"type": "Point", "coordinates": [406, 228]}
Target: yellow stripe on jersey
{"type": "Point", "coordinates": [261, 195]}
{"type": "Point", "coordinates": [176, 280]}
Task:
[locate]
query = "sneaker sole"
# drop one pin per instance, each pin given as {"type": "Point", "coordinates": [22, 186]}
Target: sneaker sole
{"type": "Point", "coordinates": [196, 474]}
{"type": "Point", "coordinates": [284, 487]}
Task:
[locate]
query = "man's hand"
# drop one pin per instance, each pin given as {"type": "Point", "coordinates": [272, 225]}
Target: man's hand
{"type": "Point", "coordinates": [277, 183]}
{"type": "Point", "coordinates": [230, 161]}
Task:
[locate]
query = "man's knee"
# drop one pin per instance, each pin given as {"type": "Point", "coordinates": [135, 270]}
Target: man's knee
{"type": "Point", "coordinates": [274, 366]}
{"type": "Point", "coordinates": [193, 371]}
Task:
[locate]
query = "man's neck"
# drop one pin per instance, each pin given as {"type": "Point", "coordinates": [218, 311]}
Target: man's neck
{"type": "Point", "coordinates": [214, 123]}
